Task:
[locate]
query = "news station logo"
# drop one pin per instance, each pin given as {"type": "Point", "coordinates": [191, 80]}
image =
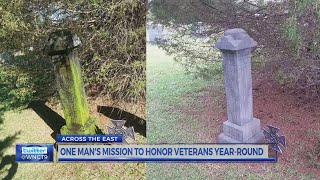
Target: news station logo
{"type": "Point", "coordinates": [34, 152]}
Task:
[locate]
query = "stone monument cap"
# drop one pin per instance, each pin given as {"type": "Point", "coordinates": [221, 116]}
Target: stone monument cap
{"type": "Point", "coordinates": [60, 42]}
{"type": "Point", "coordinates": [235, 39]}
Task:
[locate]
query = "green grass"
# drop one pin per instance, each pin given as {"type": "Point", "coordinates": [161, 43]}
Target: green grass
{"type": "Point", "coordinates": [167, 85]}
{"type": "Point", "coordinates": [34, 130]}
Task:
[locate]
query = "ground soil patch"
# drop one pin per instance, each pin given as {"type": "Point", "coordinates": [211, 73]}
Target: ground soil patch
{"type": "Point", "coordinates": [273, 105]}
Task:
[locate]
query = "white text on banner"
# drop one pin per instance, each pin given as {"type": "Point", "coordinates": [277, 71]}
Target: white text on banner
{"type": "Point", "coordinates": [164, 152]}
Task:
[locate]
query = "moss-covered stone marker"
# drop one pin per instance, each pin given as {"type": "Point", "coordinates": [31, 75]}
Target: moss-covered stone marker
{"type": "Point", "coordinates": [62, 47]}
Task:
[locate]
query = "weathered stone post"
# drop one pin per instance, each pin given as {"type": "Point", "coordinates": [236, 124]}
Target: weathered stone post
{"type": "Point", "coordinates": [62, 47]}
{"type": "Point", "coordinates": [236, 46]}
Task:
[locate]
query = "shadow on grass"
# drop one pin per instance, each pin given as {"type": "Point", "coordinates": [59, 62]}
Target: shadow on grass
{"type": "Point", "coordinates": [51, 118]}
{"type": "Point", "coordinates": [138, 123]}
{"type": "Point", "coordinates": [8, 159]}
{"type": "Point", "coordinates": [29, 66]}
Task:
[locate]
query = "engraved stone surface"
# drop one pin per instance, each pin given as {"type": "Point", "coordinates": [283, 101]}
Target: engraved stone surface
{"type": "Point", "coordinates": [236, 46]}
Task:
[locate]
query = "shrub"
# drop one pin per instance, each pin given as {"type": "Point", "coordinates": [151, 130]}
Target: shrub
{"type": "Point", "coordinates": [112, 52]}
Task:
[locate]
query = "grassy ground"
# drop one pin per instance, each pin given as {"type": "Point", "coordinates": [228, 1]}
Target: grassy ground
{"type": "Point", "coordinates": [33, 130]}
{"type": "Point", "coordinates": [169, 90]}
{"type": "Point", "coordinates": [167, 85]}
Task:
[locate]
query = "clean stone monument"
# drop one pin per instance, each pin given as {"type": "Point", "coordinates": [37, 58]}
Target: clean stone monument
{"type": "Point", "coordinates": [241, 127]}
{"type": "Point", "coordinates": [61, 47]}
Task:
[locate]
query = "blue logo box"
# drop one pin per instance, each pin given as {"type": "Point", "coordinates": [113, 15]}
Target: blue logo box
{"type": "Point", "coordinates": [34, 153]}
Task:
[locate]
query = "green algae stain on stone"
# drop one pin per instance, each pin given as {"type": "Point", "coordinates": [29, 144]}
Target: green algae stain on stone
{"type": "Point", "coordinates": [81, 105]}
{"type": "Point", "coordinates": [61, 46]}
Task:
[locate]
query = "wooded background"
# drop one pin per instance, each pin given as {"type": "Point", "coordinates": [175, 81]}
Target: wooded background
{"type": "Point", "coordinates": [287, 33]}
{"type": "Point", "coordinates": [112, 52]}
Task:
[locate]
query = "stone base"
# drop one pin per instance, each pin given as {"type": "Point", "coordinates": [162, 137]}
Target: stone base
{"type": "Point", "coordinates": [248, 133]}
{"type": "Point", "coordinates": [88, 128]}
{"type": "Point", "coordinates": [258, 138]}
